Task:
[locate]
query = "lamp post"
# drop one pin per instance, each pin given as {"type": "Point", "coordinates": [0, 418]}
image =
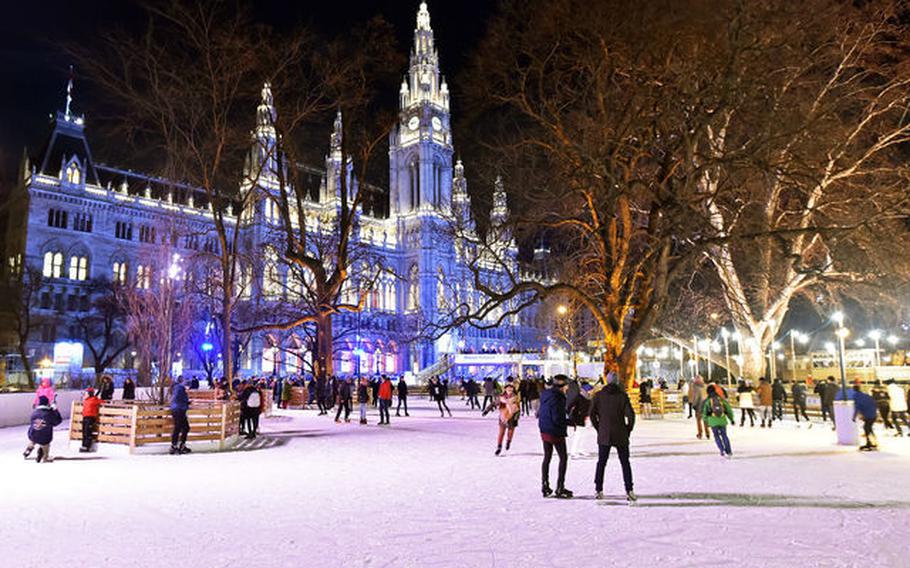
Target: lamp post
{"type": "Point", "coordinates": [695, 370]}
{"type": "Point", "coordinates": [876, 336]}
{"type": "Point", "coordinates": [173, 273]}
{"type": "Point", "coordinates": [725, 335]}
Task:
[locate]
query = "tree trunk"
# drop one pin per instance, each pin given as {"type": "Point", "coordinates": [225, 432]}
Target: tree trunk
{"type": "Point", "coordinates": [752, 356]}
{"type": "Point", "coordinates": [26, 364]}
{"type": "Point", "coordinates": [227, 346]}
{"type": "Point", "coordinates": [324, 364]}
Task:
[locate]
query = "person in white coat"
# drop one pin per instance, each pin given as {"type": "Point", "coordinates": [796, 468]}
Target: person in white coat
{"type": "Point", "coordinates": [898, 403]}
{"type": "Point", "coordinates": [746, 403]}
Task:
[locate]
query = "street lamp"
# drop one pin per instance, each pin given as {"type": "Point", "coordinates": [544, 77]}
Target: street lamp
{"type": "Point", "coordinates": [562, 310]}
{"type": "Point", "coordinates": [173, 273]}
{"type": "Point", "coordinates": [876, 336]}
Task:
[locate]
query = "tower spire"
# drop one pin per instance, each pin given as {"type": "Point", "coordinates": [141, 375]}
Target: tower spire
{"type": "Point", "coordinates": [67, 113]}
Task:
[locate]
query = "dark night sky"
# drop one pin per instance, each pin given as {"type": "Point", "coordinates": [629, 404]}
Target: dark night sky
{"type": "Point", "coordinates": [33, 67]}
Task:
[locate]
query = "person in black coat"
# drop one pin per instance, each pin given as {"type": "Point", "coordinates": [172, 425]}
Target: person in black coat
{"type": "Point", "coordinates": [402, 397]}
{"type": "Point", "coordinates": [129, 389]}
{"type": "Point", "coordinates": [439, 390]}
{"type": "Point", "coordinates": [613, 417]}
{"type": "Point", "coordinates": [778, 399]}
{"type": "Point", "coordinates": [552, 421]}
{"type": "Point", "coordinates": [106, 390]}
{"type": "Point", "coordinates": [345, 400]}
{"type": "Point", "coordinates": [41, 429]}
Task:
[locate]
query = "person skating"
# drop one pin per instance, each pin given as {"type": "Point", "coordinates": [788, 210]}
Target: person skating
{"type": "Point", "coordinates": [489, 389]}
{"type": "Point", "coordinates": [509, 411]}
{"type": "Point", "coordinates": [363, 398]}
{"type": "Point", "coordinates": [644, 397]}
{"type": "Point", "coordinates": [882, 402]}
{"type": "Point", "coordinates": [613, 417]}
{"type": "Point", "coordinates": [765, 402]}
{"type": "Point", "coordinates": [343, 400]}
{"type": "Point", "coordinates": [41, 429]}
{"type": "Point", "coordinates": [287, 390]}
{"type": "Point", "coordinates": [91, 408]}
{"type": "Point", "coordinates": [698, 394]}
{"type": "Point", "coordinates": [534, 386]}
{"type": "Point", "coordinates": [552, 423]}
{"type": "Point", "coordinates": [471, 389]}
{"type": "Point", "coordinates": [778, 399]}
{"type": "Point", "coordinates": [746, 403]}
{"type": "Point", "coordinates": [826, 391]}
{"type": "Point", "coordinates": [438, 392]}
{"type": "Point", "coordinates": [251, 407]}
{"type": "Point", "coordinates": [897, 403]}
{"type": "Point", "coordinates": [180, 403]}
{"type": "Point", "coordinates": [864, 407]}
{"type": "Point", "coordinates": [717, 413]}
{"type": "Point", "coordinates": [798, 392]}
{"type": "Point", "coordinates": [129, 389]}
{"type": "Point", "coordinates": [322, 392]}
{"type": "Point", "coordinates": [385, 400]}
{"type": "Point", "coordinates": [402, 397]}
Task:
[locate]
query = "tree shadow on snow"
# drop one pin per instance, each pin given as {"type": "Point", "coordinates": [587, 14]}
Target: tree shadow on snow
{"type": "Point", "coordinates": [76, 458]}
{"type": "Point", "coordinates": [260, 442]}
{"type": "Point", "coordinates": [754, 500]}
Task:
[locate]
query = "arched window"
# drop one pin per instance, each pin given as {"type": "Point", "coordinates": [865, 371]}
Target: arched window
{"type": "Point", "coordinates": [271, 280]}
{"type": "Point", "coordinates": [440, 290]}
{"type": "Point", "coordinates": [119, 273]}
{"type": "Point", "coordinates": [78, 267]}
{"type": "Point", "coordinates": [413, 289]}
{"type": "Point", "coordinates": [414, 171]}
{"type": "Point", "coordinates": [73, 173]}
{"type": "Point", "coordinates": [143, 276]}
{"type": "Point", "coordinates": [53, 264]}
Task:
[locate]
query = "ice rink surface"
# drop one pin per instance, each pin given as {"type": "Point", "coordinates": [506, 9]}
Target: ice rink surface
{"type": "Point", "coordinates": [429, 492]}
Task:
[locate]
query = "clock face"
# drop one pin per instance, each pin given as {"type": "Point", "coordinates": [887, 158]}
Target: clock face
{"type": "Point", "coordinates": [413, 123]}
{"type": "Point", "coordinates": [437, 124]}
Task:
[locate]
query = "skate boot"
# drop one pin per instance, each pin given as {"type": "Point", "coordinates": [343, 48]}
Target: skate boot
{"type": "Point", "coordinates": [563, 493]}
{"type": "Point", "coordinates": [184, 450]}
{"type": "Point", "coordinates": [599, 495]}
{"type": "Point", "coordinates": [545, 489]}
{"type": "Point", "coordinates": [508, 444]}
{"type": "Point", "coordinates": [498, 450]}
{"type": "Point", "coordinates": [174, 450]}
{"type": "Point", "coordinates": [27, 452]}
{"type": "Point", "coordinates": [40, 455]}
{"type": "Point", "coordinates": [631, 497]}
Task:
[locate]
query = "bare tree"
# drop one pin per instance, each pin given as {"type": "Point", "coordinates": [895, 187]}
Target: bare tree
{"type": "Point", "coordinates": [20, 301]}
{"type": "Point", "coordinates": [103, 327]}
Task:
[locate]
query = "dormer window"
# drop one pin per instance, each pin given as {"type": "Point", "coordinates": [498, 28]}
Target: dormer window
{"type": "Point", "coordinates": [73, 174]}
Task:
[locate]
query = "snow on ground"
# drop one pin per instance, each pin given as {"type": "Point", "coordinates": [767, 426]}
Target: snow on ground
{"type": "Point", "coordinates": [429, 492]}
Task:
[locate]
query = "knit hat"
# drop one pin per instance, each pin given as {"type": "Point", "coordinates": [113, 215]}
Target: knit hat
{"type": "Point", "coordinates": [90, 391]}
{"type": "Point", "coordinates": [42, 401]}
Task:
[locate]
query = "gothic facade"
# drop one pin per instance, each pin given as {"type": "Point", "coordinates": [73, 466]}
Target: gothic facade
{"type": "Point", "coordinates": [78, 220]}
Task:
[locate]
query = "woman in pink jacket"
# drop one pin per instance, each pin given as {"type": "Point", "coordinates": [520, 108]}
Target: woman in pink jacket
{"type": "Point", "coordinates": [45, 389]}
{"type": "Point", "coordinates": [508, 405]}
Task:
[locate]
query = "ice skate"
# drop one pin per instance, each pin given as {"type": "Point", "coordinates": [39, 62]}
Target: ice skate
{"type": "Point", "coordinates": [27, 452]}
{"type": "Point", "coordinates": [631, 497]}
{"type": "Point", "coordinates": [174, 450]}
{"type": "Point", "coordinates": [599, 496]}
{"type": "Point", "coordinates": [546, 489]}
{"type": "Point", "coordinates": [508, 444]}
{"type": "Point", "coordinates": [184, 450]}
{"type": "Point", "coordinates": [563, 493]}
{"type": "Point", "coordinates": [498, 450]}
{"type": "Point", "coordinates": [40, 455]}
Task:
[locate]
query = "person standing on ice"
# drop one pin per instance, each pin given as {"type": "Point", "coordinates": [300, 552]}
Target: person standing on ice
{"type": "Point", "coordinates": [882, 402]}
{"type": "Point", "coordinates": [344, 400]}
{"type": "Point", "coordinates": [746, 403]}
{"type": "Point", "coordinates": [91, 405]}
{"type": "Point", "coordinates": [778, 399]}
{"type": "Point", "coordinates": [716, 413]}
{"type": "Point", "coordinates": [613, 417]}
{"type": "Point", "coordinates": [698, 394]}
{"type": "Point", "coordinates": [489, 389]}
{"type": "Point", "coordinates": [129, 389]}
{"type": "Point", "coordinates": [402, 397]}
{"type": "Point", "coordinates": [180, 403]}
{"type": "Point", "coordinates": [798, 392]}
{"type": "Point", "coordinates": [363, 398]}
{"type": "Point", "coordinates": [864, 407]}
{"type": "Point", "coordinates": [438, 391]}
{"type": "Point", "coordinates": [385, 400]}
{"type": "Point", "coordinates": [765, 402]}
{"type": "Point", "coordinates": [826, 391]}
{"type": "Point", "coordinates": [898, 406]}
{"type": "Point", "coordinates": [41, 429]}
{"type": "Point", "coordinates": [553, 424]}
{"type": "Point", "coordinates": [509, 412]}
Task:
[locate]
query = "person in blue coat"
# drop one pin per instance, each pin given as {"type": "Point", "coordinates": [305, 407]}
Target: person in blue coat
{"type": "Point", "coordinates": [41, 429]}
{"type": "Point", "coordinates": [864, 406]}
{"type": "Point", "coordinates": [180, 403]}
{"type": "Point", "coordinates": [553, 430]}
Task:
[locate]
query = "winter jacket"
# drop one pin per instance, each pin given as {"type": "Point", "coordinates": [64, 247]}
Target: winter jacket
{"type": "Point", "coordinates": [799, 394]}
{"type": "Point", "coordinates": [90, 407]}
{"type": "Point", "coordinates": [533, 390]}
{"type": "Point", "coordinates": [402, 389]}
{"type": "Point", "coordinates": [698, 392]}
{"type": "Point", "coordinates": [46, 390]}
{"type": "Point", "coordinates": [828, 392]}
{"type": "Point", "coordinates": [612, 416]}
{"type": "Point", "coordinates": [765, 396]}
{"type": "Point", "coordinates": [129, 390]}
{"type": "Point", "coordinates": [363, 394]}
{"type": "Point", "coordinates": [286, 392]}
{"type": "Point", "coordinates": [778, 392]}
{"type": "Point", "coordinates": [880, 396]}
{"type": "Point", "coordinates": [551, 418]}
{"type": "Point", "coordinates": [744, 395]}
{"type": "Point", "coordinates": [245, 399]}
{"type": "Point", "coordinates": [344, 391]}
{"type": "Point", "coordinates": [179, 399]}
{"type": "Point", "coordinates": [714, 405]}
{"type": "Point", "coordinates": [572, 394]}
{"type": "Point", "coordinates": [896, 398]}
{"type": "Point", "coordinates": [864, 405]}
{"type": "Point", "coordinates": [385, 390]}
{"type": "Point", "coordinates": [438, 390]}
{"type": "Point", "coordinates": [107, 391]}
{"type": "Point", "coordinates": [580, 410]}
{"type": "Point", "coordinates": [508, 407]}
{"type": "Point", "coordinates": [644, 392]}
{"type": "Point", "coordinates": [488, 387]}
{"type": "Point", "coordinates": [41, 424]}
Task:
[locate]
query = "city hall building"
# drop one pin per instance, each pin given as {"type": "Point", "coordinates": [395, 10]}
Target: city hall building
{"type": "Point", "coordinates": [75, 220]}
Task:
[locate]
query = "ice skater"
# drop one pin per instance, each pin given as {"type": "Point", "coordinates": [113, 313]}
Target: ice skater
{"type": "Point", "coordinates": [41, 429]}
{"type": "Point", "coordinates": [897, 402]}
{"type": "Point", "coordinates": [552, 423]}
{"type": "Point", "coordinates": [363, 398]}
{"type": "Point", "coordinates": [644, 397]}
{"type": "Point", "coordinates": [716, 413]}
{"type": "Point", "coordinates": [180, 403]}
{"type": "Point", "coordinates": [344, 400]}
{"type": "Point", "coordinates": [509, 411]}
{"type": "Point", "coordinates": [402, 397]}
{"type": "Point", "coordinates": [864, 407]}
{"type": "Point", "coordinates": [798, 392]}
{"type": "Point", "coordinates": [746, 403]}
{"type": "Point", "coordinates": [438, 392]}
{"type": "Point", "coordinates": [489, 389]}
{"type": "Point", "coordinates": [613, 417]}
{"type": "Point", "coordinates": [91, 406]}
{"type": "Point", "coordinates": [698, 393]}
{"type": "Point", "coordinates": [385, 400]}
{"type": "Point", "coordinates": [778, 399]}
{"type": "Point", "coordinates": [765, 402]}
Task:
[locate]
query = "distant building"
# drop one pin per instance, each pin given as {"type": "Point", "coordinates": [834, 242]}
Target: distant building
{"type": "Point", "coordinates": [77, 219]}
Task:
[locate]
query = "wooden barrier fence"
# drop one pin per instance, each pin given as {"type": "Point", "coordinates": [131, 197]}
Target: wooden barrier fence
{"type": "Point", "coordinates": [208, 396]}
{"type": "Point", "coordinates": [138, 424]}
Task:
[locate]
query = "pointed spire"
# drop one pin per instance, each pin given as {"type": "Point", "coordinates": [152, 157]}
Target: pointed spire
{"type": "Point", "coordinates": [265, 113]}
{"type": "Point", "coordinates": [337, 133]}
{"type": "Point", "coordinates": [424, 80]}
{"type": "Point", "coordinates": [500, 202]}
{"type": "Point", "coordinates": [423, 18]}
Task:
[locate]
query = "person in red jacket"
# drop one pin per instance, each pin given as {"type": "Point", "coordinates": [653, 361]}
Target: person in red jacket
{"type": "Point", "coordinates": [90, 410]}
{"type": "Point", "coordinates": [385, 400]}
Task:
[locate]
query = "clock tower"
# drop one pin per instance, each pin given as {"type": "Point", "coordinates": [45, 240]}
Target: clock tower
{"type": "Point", "coordinates": [420, 145]}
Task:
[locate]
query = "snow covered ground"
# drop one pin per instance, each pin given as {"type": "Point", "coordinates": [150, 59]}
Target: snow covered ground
{"type": "Point", "coordinates": [429, 492]}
